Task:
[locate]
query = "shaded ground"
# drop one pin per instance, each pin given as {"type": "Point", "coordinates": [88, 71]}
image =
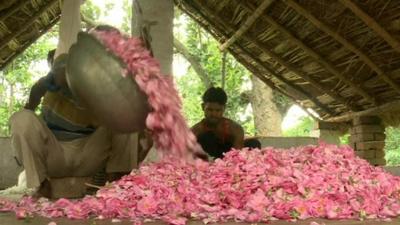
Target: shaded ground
{"type": "Point", "coordinates": [9, 219]}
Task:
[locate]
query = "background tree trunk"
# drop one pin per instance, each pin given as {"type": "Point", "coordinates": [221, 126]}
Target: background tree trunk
{"type": "Point", "coordinates": [267, 117]}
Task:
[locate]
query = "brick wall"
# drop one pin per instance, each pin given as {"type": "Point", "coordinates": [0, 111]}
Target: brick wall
{"type": "Point", "coordinates": [367, 137]}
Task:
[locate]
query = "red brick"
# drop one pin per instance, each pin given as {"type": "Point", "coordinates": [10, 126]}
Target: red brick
{"type": "Point", "coordinates": [366, 120]}
{"type": "Point", "coordinates": [379, 137]}
{"type": "Point", "coordinates": [377, 145]}
{"type": "Point", "coordinates": [377, 162]}
{"type": "Point", "coordinates": [363, 137]}
{"type": "Point", "coordinates": [367, 129]}
{"type": "Point", "coordinates": [366, 154]}
{"type": "Point", "coordinates": [380, 154]}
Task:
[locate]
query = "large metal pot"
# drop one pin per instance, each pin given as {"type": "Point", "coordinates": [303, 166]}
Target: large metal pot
{"type": "Point", "coordinates": [95, 79]}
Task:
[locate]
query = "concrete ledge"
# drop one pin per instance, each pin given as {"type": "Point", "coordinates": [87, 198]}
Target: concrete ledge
{"type": "Point", "coordinates": [287, 142]}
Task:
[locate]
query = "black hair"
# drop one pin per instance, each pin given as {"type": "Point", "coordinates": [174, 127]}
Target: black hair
{"type": "Point", "coordinates": [50, 56]}
{"type": "Point", "coordinates": [252, 143]}
{"type": "Point", "coordinates": [216, 95]}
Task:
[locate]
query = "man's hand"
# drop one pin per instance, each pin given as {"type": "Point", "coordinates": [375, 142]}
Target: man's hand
{"type": "Point", "coordinates": [37, 92]}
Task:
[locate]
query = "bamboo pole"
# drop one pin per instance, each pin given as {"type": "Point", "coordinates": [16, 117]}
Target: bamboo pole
{"type": "Point", "coordinates": [371, 23]}
{"type": "Point", "coordinates": [327, 65]}
{"type": "Point", "coordinates": [247, 24]}
{"type": "Point", "coordinates": [335, 35]}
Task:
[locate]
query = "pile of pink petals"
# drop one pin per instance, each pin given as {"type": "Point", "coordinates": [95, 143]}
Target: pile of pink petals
{"type": "Point", "coordinates": [323, 181]}
{"type": "Point", "coordinates": [169, 129]}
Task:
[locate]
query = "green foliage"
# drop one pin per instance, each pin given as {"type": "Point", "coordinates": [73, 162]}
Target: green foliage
{"type": "Point", "coordinates": [392, 146]}
{"type": "Point", "coordinates": [91, 11]}
{"type": "Point", "coordinates": [344, 139]}
{"type": "Point", "coordinates": [302, 129]}
{"type": "Point", "coordinates": [126, 20]}
{"type": "Point", "coordinates": [18, 77]}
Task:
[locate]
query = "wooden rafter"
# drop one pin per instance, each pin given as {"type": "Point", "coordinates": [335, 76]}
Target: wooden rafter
{"type": "Point", "coordinates": [299, 73]}
{"type": "Point", "coordinates": [371, 23]}
{"type": "Point", "coordinates": [288, 83]}
{"type": "Point", "coordinates": [215, 17]}
{"type": "Point", "coordinates": [256, 72]}
{"type": "Point", "coordinates": [324, 63]}
{"type": "Point", "coordinates": [324, 27]}
{"type": "Point", "coordinates": [303, 75]}
{"type": "Point", "coordinates": [391, 106]}
{"type": "Point", "coordinates": [14, 8]}
{"type": "Point", "coordinates": [247, 24]}
{"type": "Point", "coordinates": [29, 43]}
{"type": "Point", "coordinates": [31, 21]}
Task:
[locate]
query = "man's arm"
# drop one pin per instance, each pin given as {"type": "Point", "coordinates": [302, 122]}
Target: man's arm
{"type": "Point", "coordinates": [238, 136]}
{"type": "Point", "coordinates": [37, 92]}
{"type": "Point", "coordinates": [196, 129]}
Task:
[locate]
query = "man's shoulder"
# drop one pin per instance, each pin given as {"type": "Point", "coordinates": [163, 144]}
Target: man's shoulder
{"type": "Point", "coordinates": [234, 124]}
{"type": "Point", "coordinates": [197, 127]}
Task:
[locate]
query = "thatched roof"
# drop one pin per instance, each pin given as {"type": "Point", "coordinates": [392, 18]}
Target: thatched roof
{"type": "Point", "coordinates": [22, 22]}
{"type": "Point", "coordinates": [332, 56]}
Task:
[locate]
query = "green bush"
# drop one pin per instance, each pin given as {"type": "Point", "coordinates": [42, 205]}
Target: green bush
{"type": "Point", "coordinates": [302, 129]}
{"type": "Point", "coordinates": [392, 146]}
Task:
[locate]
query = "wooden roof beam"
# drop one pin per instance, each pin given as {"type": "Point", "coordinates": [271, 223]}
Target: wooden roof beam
{"type": "Point", "coordinates": [286, 82]}
{"type": "Point", "coordinates": [324, 27]}
{"type": "Point", "coordinates": [32, 20]}
{"type": "Point", "coordinates": [391, 106]}
{"type": "Point", "coordinates": [13, 9]}
{"type": "Point", "coordinates": [247, 24]}
{"type": "Point", "coordinates": [282, 79]}
{"type": "Point", "coordinates": [299, 73]}
{"type": "Point", "coordinates": [256, 72]}
{"type": "Point", "coordinates": [303, 75]}
{"type": "Point", "coordinates": [28, 43]}
{"type": "Point", "coordinates": [327, 65]}
{"type": "Point", "coordinates": [371, 23]}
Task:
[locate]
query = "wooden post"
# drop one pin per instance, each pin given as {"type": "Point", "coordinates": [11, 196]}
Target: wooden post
{"type": "Point", "coordinates": [153, 21]}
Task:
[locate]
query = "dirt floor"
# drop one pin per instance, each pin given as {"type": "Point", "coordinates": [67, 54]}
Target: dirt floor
{"type": "Point", "coordinates": [9, 219]}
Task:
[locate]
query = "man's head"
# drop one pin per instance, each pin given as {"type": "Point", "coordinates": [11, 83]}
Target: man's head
{"type": "Point", "coordinates": [214, 101]}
